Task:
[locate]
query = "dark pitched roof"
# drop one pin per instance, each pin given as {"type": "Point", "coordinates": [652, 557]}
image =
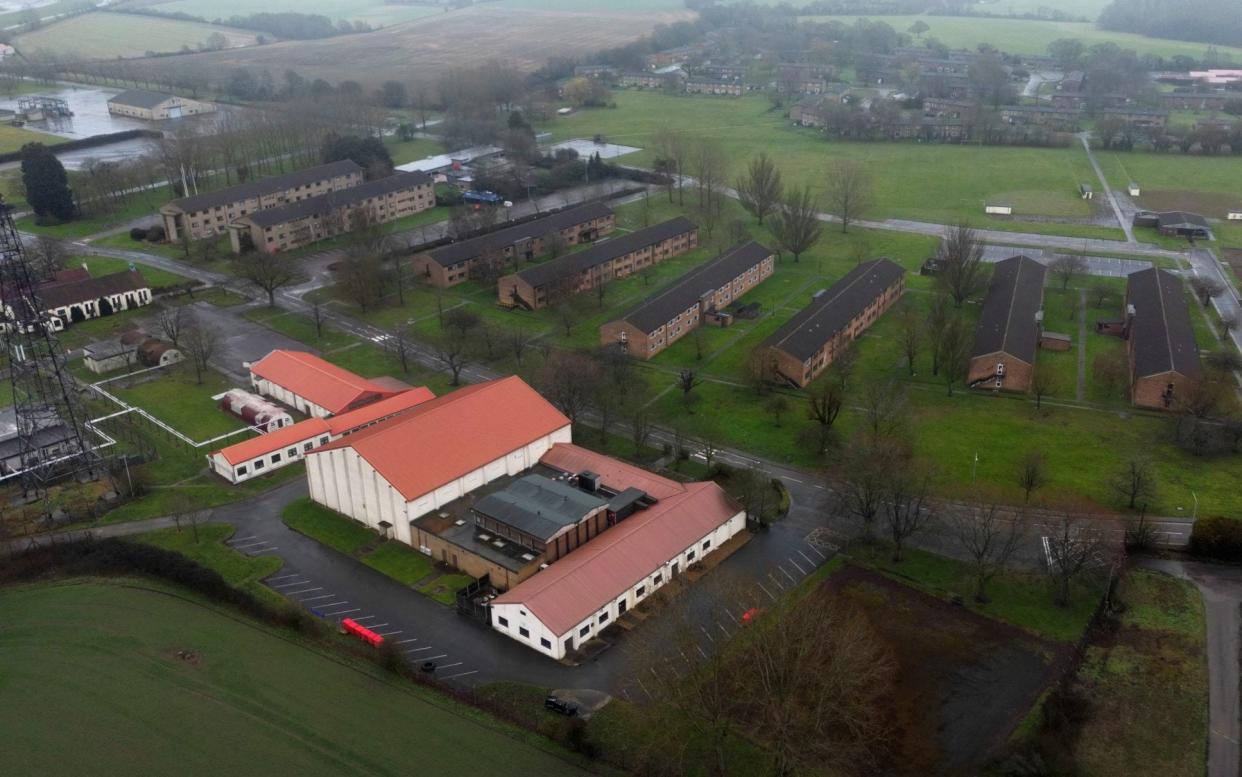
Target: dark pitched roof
{"type": "Point", "coordinates": [1162, 338]}
{"type": "Point", "coordinates": [465, 250]}
{"type": "Point", "coordinates": [661, 307]}
{"type": "Point", "coordinates": [803, 335]}
{"type": "Point", "coordinates": [539, 506]}
{"type": "Point", "coordinates": [1015, 297]}
{"type": "Point", "coordinates": [605, 251]}
{"type": "Point", "coordinates": [140, 98]}
{"type": "Point", "coordinates": [1177, 218]}
{"type": "Point", "coordinates": [332, 201]}
{"type": "Point", "coordinates": [266, 186]}
{"type": "Point", "coordinates": [57, 295]}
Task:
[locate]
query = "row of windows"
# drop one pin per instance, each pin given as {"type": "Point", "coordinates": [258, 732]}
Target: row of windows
{"type": "Point", "coordinates": [276, 458]}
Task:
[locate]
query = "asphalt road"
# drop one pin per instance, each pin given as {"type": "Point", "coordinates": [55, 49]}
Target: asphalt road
{"type": "Point", "coordinates": [1221, 588]}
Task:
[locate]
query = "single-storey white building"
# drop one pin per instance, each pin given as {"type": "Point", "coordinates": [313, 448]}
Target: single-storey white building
{"type": "Point", "coordinates": [1134, 189]}
{"type": "Point", "coordinates": [284, 446]}
{"type": "Point", "coordinates": [313, 386]}
{"type": "Point", "coordinates": [82, 298]}
{"type": "Point", "coordinates": [562, 607]}
{"type": "Point", "coordinates": [998, 210]}
{"type": "Point", "coordinates": [403, 468]}
{"type": "Point", "coordinates": [1235, 215]}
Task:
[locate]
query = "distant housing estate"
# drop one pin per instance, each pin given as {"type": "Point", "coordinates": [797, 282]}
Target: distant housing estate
{"type": "Point", "coordinates": [542, 284]}
{"type": "Point", "coordinates": [701, 294]}
{"type": "Point", "coordinates": [804, 347]}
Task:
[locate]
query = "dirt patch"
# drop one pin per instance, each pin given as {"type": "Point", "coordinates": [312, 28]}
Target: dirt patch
{"type": "Point", "coordinates": [1214, 205]}
{"type": "Point", "coordinates": [183, 656]}
{"type": "Point", "coordinates": [966, 681]}
{"type": "Point", "coordinates": [422, 50]}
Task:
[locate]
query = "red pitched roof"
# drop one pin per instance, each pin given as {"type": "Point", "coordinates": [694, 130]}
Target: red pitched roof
{"type": "Point", "coordinates": [331, 387]}
{"type": "Point", "coordinates": [455, 434]}
{"type": "Point", "coordinates": [311, 428]}
{"type": "Point", "coordinates": [585, 581]}
{"type": "Point", "coordinates": [617, 475]}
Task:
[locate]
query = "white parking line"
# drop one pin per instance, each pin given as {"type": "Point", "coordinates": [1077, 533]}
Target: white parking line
{"type": "Point", "coordinates": [341, 612]}
{"type": "Point", "coordinates": [375, 626]}
{"type": "Point", "coordinates": [263, 550]}
{"type": "Point", "coordinates": [797, 565]}
{"type": "Point", "coordinates": [766, 591]}
{"type": "Point", "coordinates": [303, 591]}
{"type": "Point", "coordinates": [248, 544]}
{"type": "Point", "coordinates": [416, 650]}
{"type": "Point", "coordinates": [792, 579]}
{"type": "Point", "coordinates": [243, 539]}
{"type": "Point", "coordinates": [313, 598]}
{"type": "Point", "coordinates": [473, 671]}
{"type": "Point", "coordinates": [287, 585]}
{"type": "Point", "coordinates": [366, 617]}
{"type": "Point", "coordinates": [709, 636]}
{"type": "Point", "coordinates": [735, 623]}
{"type": "Point", "coordinates": [403, 641]}
{"type": "Point", "coordinates": [389, 633]}
{"type": "Point", "coordinates": [450, 666]}
{"type": "Point", "coordinates": [433, 658]}
{"type": "Point", "coordinates": [282, 577]}
{"type": "Point", "coordinates": [808, 558]}
{"type": "Point", "coordinates": [817, 550]}
{"type": "Point", "coordinates": [723, 629]}
{"type": "Point", "coordinates": [776, 582]}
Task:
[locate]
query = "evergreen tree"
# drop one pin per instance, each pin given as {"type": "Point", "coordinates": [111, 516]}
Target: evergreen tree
{"type": "Point", "coordinates": [47, 185]}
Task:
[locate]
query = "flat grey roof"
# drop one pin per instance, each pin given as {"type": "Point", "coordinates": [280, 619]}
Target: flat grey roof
{"type": "Point", "coordinates": [539, 506]}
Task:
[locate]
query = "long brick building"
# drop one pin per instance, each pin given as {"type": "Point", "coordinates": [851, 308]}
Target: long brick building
{"type": "Point", "coordinates": [455, 263]}
{"type": "Point", "coordinates": [318, 218]}
{"type": "Point", "coordinates": [540, 285]}
{"type": "Point", "coordinates": [1007, 335]}
{"type": "Point", "coordinates": [1164, 358]}
{"type": "Point", "coordinates": [810, 341]}
{"type": "Point", "coordinates": [675, 311]}
{"type": "Point", "coordinates": [209, 214]}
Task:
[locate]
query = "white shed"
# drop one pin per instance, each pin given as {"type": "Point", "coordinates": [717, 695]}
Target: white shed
{"type": "Point", "coordinates": [998, 210]}
{"type": "Point", "coordinates": [1134, 189]}
{"type": "Point", "coordinates": [1235, 215]}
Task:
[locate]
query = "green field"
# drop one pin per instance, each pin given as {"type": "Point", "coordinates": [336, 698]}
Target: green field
{"type": "Point", "coordinates": [13, 138]}
{"type": "Point", "coordinates": [105, 265]}
{"type": "Point", "coordinates": [928, 182]}
{"type": "Point", "coordinates": [94, 685]}
{"type": "Point", "coordinates": [376, 13]}
{"type": "Point", "coordinates": [1022, 36]}
{"type": "Point", "coordinates": [112, 35]}
{"type": "Point", "coordinates": [177, 400]}
{"type": "Point", "coordinates": [1147, 684]}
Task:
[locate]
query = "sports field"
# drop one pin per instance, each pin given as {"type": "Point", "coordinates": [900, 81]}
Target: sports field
{"type": "Point", "coordinates": [942, 183]}
{"type": "Point", "coordinates": [126, 679]}
{"type": "Point", "coordinates": [111, 35]}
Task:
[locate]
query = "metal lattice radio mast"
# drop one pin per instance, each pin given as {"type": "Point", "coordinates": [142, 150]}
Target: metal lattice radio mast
{"type": "Point", "coordinates": [43, 391]}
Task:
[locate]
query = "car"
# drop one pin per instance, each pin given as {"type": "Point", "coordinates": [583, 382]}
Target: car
{"type": "Point", "coordinates": [561, 706]}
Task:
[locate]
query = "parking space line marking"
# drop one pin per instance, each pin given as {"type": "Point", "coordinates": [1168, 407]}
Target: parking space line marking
{"type": "Point", "coordinates": [473, 671]}
{"type": "Point", "coordinates": [433, 658]}
{"type": "Point", "coordinates": [723, 629]}
{"type": "Point", "coordinates": [817, 550]}
{"type": "Point", "coordinates": [792, 579]}
{"type": "Point", "coordinates": [375, 626]}
{"type": "Point", "coordinates": [366, 617]}
{"type": "Point", "coordinates": [735, 623]}
{"type": "Point", "coordinates": [797, 565]}
{"type": "Point", "coordinates": [263, 550]}
{"type": "Point", "coordinates": [247, 544]}
{"type": "Point", "coordinates": [403, 641]}
{"type": "Point", "coordinates": [313, 598]}
{"type": "Point", "coordinates": [450, 666]}
{"type": "Point", "coordinates": [287, 585]}
{"type": "Point", "coordinates": [304, 591]}
{"type": "Point", "coordinates": [282, 577]}
{"type": "Point", "coordinates": [700, 649]}
{"type": "Point", "coordinates": [243, 539]}
{"type": "Point", "coordinates": [805, 556]}
{"type": "Point", "coordinates": [416, 650]}
{"type": "Point", "coordinates": [777, 582]}
{"type": "Point", "coordinates": [341, 612]}
{"type": "Point", "coordinates": [389, 633]}
{"type": "Point", "coordinates": [766, 591]}
{"type": "Point", "coordinates": [709, 636]}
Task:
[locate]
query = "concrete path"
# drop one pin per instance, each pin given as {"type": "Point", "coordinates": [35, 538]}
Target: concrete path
{"type": "Point", "coordinates": [1221, 588]}
{"type": "Point", "coordinates": [1126, 226]}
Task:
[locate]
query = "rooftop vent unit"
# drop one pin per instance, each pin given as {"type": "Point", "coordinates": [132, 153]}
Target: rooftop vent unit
{"type": "Point", "coordinates": [459, 522]}
{"type": "Point", "coordinates": [588, 481]}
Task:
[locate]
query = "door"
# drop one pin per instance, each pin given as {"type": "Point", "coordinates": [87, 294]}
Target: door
{"type": "Point", "coordinates": [621, 608]}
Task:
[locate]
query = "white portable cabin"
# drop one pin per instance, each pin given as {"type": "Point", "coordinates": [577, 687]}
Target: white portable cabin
{"type": "Point", "coordinates": [1235, 215]}
{"type": "Point", "coordinates": [1134, 189]}
{"type": "Point", "coordinates": [998, 210]}
{"type": "Point", "coordinates": [1085, 190]}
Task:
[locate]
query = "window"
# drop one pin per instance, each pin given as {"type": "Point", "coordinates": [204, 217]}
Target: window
{"type": "Point", "coordinates": [275, 458]}
{"type": "Point", "coordinates": [293, 452]}
{"type": "Point", "coordinates": [707, 544]}
{"type": "Point", "coordinates": [308, 446]}
{"type": "Point", "coordinates": [503, 621]}
{"type": "Point", "coordinates": [603, 617]}
{"type": "Point", "coordinates": [242, 470]}
{"type": "Point", "coordinates": [659, 578]}
{"type": "Point", "coordinates": [585, 630]}
{"type": "Point", "coordinates": [524, 631]}
{"type": "Point", "coordinates": [690, 556]}
{"type": "Point", "coordinates": [545, 643]}
{"type": "Point", "coordinates": [642, 589]}
{"type": "Point", "coordinates": [258, 465]}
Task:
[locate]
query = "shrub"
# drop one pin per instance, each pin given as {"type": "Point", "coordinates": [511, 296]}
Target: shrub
{"type": "Point", "coordinates": [1218, 538]}
{"type": "Point", "coordinates": [156, 234]}
{"type": "Point", "coordinates": [138, 233]}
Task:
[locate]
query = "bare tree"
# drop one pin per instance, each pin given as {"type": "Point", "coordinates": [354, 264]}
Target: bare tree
{"type": "Point", "coordinates": [360, 276]}
{"type": "Point", "coordinates": [454, 350]}
{"type": "Point", "coordinates": [776, 406]}
{"type": "Point", "coordinates": [760, 189]}
{"type": "Point", "coordinates": [1074, 548]}
{"type": "Point", "coordinates": [954, 352]}
{"type": "Point", "coordinates": [671, 150]}
{"type": "Point", "coordinates": [269, 272]}
{"type": "Point", "coordinates": [939, 314]}
{"type": "Point", "coordinates": [907, 508]}
{"type": "Point", "coordinates": [824, 402]}
{"type": "Point", "coordinates": [761, 369]}
{"type": "Point", "coordinates": [1067, 267]}
{"type": "Point", "coordinates": [199, 342]}
{"type": "Point", "coordinates": [640, 428]}
{"type": "Point", "coordinates": [796, 225]}
{"type": "Point", "coordinates": [173, 322]}
{"type": "Point", "coordinates": [1205, 289]}
{"type": "Point", "coordinates": [989, 540]}
{"type": "Point", "coordinates": [569, 380]}
{"type": "Point", "coordinates": [866, 473]}
{"type": "Point", "coordinates": [1228, 323]}
{"type": "Point", "coordinates": [1032, 473]}
{"type": "Point", "coordinates": [1135, 483]}
{"type": "Point", "coordinates": [849, 191]}
{"type": "Point", "coordinates": [399, 345]}
{"type": "Point", "coordinates": [960, 257]}
{"type": "Point", "coordinates": [317, 316]}
{"type": "Point", "coordinates": [518, 340]}
{"type": "Point", "coordinates": [911, 333]}
{"type": "Point", "coordinates": [1043, 382]}
{"type": "Point", "coordinates": [1100, 292]}
{"type": "Point", "coordinates": [687, 381]}
{"type": "Point", "coordinates": [885, 409]}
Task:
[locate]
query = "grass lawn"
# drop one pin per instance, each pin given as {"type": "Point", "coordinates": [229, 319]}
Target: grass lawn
{"type": "Point", "coordinates": [124, 242]}
{"type": "Point", "coordinates": [13, 138]}
{"type": "Point", "coordinates": [299, 328]}
{"type": "Point", "coordinates": [105, 265]}
{"type": "Point", "coordinates": [1023, 36]}
{"type": "Point", "coordinates": [103, 328]}
{"type": "Point", "coordinates": [179, 401]}
{"type": "Point", "coordinates": [1147, 684]}
{"type": "Point", "coordinates": [251, 694]}
{"type": "Point", "coordinates": [133, 208]}
{"type": "Point", "coordinates": [115, 35]}
{"type": "Point", "coordinates": [393, 558]}
{"type": "Point", "coordinates": [374, 12]}
{"type": "Point", "coordinates": [1210, 186]}
{"type": "Point", "coordinates": [237, 569]}
{"type": "Point", "coordinates": [931, 182]}
{"type": "Point", "coordinates": [404, 151]}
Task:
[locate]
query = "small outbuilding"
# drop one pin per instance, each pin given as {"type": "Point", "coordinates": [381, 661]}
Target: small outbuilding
{"type": "Point", "coordinates": [998, 210]}
{"type": "Point", "coordinates": [1235, 215]}
{"type": "Point", "coordinates": [1086, 191]}
{"type": "Point", "coordinates": [1134, 189]}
